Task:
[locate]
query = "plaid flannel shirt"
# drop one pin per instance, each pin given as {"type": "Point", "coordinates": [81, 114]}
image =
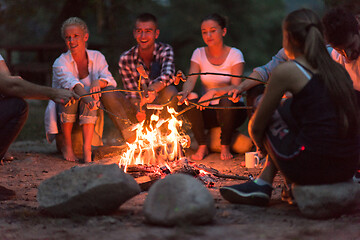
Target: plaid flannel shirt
{"type": "Point", "coordinates": [163, 54]}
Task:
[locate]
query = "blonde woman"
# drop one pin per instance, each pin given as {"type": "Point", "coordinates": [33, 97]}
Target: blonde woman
{"type": "Point", "coordinates": [82, 71]}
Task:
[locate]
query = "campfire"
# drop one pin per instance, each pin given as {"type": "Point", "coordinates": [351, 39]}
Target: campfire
{"type": "Point", "coordinates": [157, 142]}
{"type": "Point", "coordinates": [159, 150]}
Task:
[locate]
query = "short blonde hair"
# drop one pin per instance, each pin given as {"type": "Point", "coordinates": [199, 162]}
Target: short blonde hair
{"type": "Point", "coordinates": [74, 21]}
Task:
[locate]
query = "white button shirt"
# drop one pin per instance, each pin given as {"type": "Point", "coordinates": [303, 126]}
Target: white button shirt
{"type": "Point", "coordinates": [65, 75]}
{"type": "Point", "coordinates": [65, 72]}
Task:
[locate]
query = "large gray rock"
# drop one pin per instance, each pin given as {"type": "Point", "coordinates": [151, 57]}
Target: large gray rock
{"type": "Point", "coordinates": [90, 190]}
{"type": "Point", "coordinates": [327, 201]}
{"type": "Point", "coordinates": [179, 199]}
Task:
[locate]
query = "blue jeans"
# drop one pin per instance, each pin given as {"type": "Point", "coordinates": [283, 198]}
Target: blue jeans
{"type": "Point", "coordinates": [13, 115]}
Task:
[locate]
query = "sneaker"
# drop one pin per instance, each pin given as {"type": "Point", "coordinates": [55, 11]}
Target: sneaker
{"type": "Point", "coordinates": [356, 176]}
{"type": "Point", "coordinates": [247, 193]}
{"type": "Point", "coordinates": [287, 196]}
{"type": "Point", "coordinates": [6, 194]}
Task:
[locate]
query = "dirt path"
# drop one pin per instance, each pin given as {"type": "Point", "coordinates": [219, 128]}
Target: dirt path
{"type": "Point", "coordinates": [37, 161]}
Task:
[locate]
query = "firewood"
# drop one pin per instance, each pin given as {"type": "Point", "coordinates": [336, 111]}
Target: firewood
{"type": "Point", "coordinates": [220, 175]}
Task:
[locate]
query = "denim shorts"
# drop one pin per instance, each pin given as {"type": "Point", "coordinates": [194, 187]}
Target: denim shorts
{"type": "Point", "coordinates": [69, 114]}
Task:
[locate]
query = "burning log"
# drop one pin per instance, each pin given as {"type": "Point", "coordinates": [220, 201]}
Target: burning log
{"type": "Point", "coordinates": [146, 175]}
{"type": "Point", "coordinates": [158, 151]}
{"type": "Point", "coordinates": [145, 182]}
{"type": "Point", "coordinates": [141, 168]}
{"type": "Point", "coordinates": [108, 151]}
{"type": "Point", "coordinates": [219, 175]}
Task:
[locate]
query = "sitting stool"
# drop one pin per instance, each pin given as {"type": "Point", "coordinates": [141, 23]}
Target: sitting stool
{"type": "Point", "coordinates": [77, 136]}
{"type": "Point", "coordinates": [239, 144]}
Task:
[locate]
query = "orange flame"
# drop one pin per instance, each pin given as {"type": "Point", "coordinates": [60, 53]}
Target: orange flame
{"type": "Point", "coordinates": [155, 144]}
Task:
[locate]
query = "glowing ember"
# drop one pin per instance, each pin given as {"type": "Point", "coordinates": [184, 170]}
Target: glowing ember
{"type": "Point", "coordinates": [156, 142]}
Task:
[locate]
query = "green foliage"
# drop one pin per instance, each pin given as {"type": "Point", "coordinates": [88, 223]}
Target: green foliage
{"type": "Point", "coordinates": [254, 25]}
{"type": "Point", "coordinates": [26, 22]}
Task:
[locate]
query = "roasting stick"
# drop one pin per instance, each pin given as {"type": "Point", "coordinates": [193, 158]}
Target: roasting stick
{"type": "Point", "coordinates": [183, 77]}
{"type": "Point", "coordinates": [179, 74]}
{"type": "Point", "coordinates": [211, 107]}
{"type": "Point", "coordinates": [161, 106]}
{"type": "Point", "coordinates": [103, 91]}
{"type": "Point", "coordinates": [142, 73]}
{"type": "Point", "coordinates": [107, 91]}
{"type": "Point", "coordinates": [229, 75]}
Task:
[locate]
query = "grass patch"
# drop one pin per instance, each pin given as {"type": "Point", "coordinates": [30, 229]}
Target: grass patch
{"type": "Point", "coordinates": [34, 128]}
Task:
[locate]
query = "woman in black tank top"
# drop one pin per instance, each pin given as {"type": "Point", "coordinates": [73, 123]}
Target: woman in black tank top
{"type": "Point", "coordinates": [312, 138]}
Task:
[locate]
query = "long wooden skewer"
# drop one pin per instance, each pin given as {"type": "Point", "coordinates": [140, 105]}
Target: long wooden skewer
{"type": "Point", "coordinates": [180, 73]}
{"type": "Point", "coordinates": [211, 107]}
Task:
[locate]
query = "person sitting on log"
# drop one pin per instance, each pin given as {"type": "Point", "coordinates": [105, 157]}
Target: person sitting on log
{"type": "Point", "coordinates": [149, 64]}
{"type": "Point", "coordinates": [219, 58]}
{"type": "Point", "coordinates": [313, 134]}
{"type": "Point", "coordinates": [83, 71]}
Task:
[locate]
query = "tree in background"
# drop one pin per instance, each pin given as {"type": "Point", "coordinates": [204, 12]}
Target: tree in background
{"type": "Point", "coordinates": [254, 25]}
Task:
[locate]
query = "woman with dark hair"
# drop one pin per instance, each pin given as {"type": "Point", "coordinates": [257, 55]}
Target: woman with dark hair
{"type": "Point", "coordinates": [219, 58]}
{"type": "Point", "coordinates": [313, 137]}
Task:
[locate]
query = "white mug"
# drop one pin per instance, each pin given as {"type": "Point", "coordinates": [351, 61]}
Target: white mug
{"type": "Point", "coordinates": [252, 160]}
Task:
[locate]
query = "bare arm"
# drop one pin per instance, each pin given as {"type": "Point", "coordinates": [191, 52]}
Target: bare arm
{"type": "Point", "coordinates": [4, 69]}
{"type": "Point", "coordinates": [244, 86]}
{"type": "Point", "coordinates": [237, 70]}
{"type": "Point", "coordinates": [190, 82]}
{"type": "Point", "coordinates": [281, 81]}
{"type": "Point", "coordinates": [18, 87]}
{"type": "Point", "coordinates": [96, 86]}
{"type": "Point", "coordinates": [235, 81]}
{"type": "Point", "coordinates": [90, 101]}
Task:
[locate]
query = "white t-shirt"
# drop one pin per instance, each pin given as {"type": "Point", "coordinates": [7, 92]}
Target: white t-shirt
{"type": "Point", "coordinates": [1, 58]}
{"type": "Point", "coordinates": [234, 57]}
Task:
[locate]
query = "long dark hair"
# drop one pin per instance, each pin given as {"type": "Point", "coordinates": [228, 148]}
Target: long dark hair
{"type": "Point", "coordinates": [305, 29]}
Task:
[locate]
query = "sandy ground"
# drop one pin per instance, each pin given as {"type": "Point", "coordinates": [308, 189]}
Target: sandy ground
{"type": "Point", "coordinates": [37, 161]}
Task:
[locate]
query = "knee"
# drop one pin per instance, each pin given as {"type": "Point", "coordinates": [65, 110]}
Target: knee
{"type": "Point", "coordinates": [193, 95]}
{"type": "Point", "coordinates": [21, 106]}
{"type": "Point", "coordinates": [169, 91]}
{"type": "Point", "coordinates": [225, 102]}
{"type": "Point", "coordinates": [109, 98]}
{"type": "Point", "coordinates": [253, 93]}
{"type": "Point", "coordinates": [67, 118]}
{"type": "Point", "coordinates": [87, 120]}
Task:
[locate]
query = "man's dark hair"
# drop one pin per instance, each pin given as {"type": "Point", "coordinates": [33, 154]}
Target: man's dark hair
{"type": "Point", "coordinates": [338, 24]}
{"type": "Point", "coordinates": [147, 17]}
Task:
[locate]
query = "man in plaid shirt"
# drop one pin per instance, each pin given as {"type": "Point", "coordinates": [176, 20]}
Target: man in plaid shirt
{"type": "Point", "coordinates": [157, 60]}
